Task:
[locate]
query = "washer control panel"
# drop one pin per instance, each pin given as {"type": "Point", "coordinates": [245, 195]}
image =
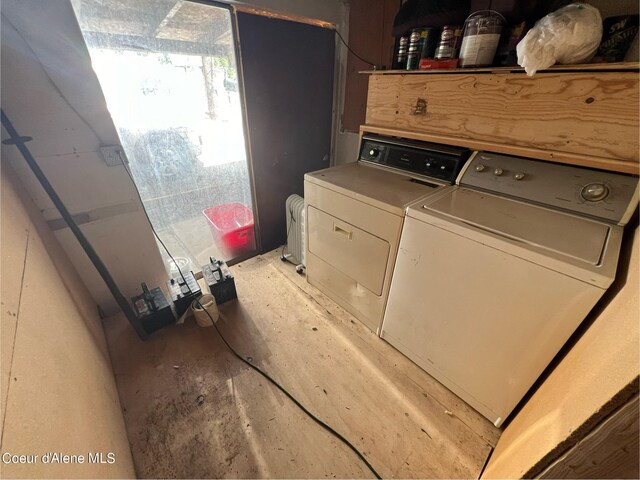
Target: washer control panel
{"type": "Point", "coordinates": [608, 196]}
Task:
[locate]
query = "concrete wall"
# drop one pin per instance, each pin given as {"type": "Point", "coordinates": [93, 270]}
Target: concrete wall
{"type": "Point", "coordinates": [58, 389]}
{"type": "Point", "coordinates": [597, 374]}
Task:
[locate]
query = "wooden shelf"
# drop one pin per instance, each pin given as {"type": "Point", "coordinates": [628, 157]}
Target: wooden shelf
{"type": "Point", "coordinates": [588, 67]}
{"type": "Point", "coordinates": [581, 117]}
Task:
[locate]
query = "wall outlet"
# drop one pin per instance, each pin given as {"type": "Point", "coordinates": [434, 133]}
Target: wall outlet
{"type": "Point", "coordinates": [112, 155]}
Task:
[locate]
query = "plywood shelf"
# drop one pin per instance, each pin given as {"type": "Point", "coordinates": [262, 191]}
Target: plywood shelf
{"type": "Point", "coordinates": [580, 117]}
{"type": "Point", "coordinates": [590, 67]}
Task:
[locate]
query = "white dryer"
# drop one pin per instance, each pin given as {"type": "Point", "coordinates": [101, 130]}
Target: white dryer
{"type": "Point", "coordinates": [355, 214]}
{"type": "Point", "coordinates": [493, 276]}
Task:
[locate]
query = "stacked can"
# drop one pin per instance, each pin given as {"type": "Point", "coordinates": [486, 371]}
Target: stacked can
{"type": "Point", "coordinates": [420, 39]}
{"type": "Point", "coordinates": [401, 56]}
{"type": "Point", "coordinates": [450, 40]}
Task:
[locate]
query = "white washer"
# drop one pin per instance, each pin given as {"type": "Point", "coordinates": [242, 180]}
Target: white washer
{"type": "Point", "coordinates": [487, 288]}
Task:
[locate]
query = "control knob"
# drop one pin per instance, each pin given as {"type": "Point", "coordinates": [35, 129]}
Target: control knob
{"type": "Point", "coordinates": [594, 192]}
{"type": "Point", "coordinates": [497, 172]}
{"type": "Point", "coordinates": [480, 167]}
{"type": "Point", "coordinates": [373, 153]}
{"type": "Point", "coordinates": [518, 175]}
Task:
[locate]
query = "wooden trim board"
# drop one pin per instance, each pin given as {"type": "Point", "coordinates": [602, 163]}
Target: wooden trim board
{"type": "Point", "coordinates": [94, 215]}
{"type": "Point", "coordinates": [590, 67]}
{"type": "Point", "coordinates": [283, 16]}
{"type": "Point", "coordinates": [609, 451]}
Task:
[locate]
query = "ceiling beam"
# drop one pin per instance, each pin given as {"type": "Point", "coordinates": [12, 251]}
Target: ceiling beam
{"type": "Point", "coordinates": [160, 45]}
{"type": "Point", "coordinates": [167, 18]}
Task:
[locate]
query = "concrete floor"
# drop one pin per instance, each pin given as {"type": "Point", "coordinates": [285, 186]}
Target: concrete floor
{"type": "Point", "coordinates": [194, 410]}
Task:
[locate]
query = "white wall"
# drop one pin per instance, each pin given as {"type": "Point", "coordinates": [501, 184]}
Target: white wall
{"type": "Point", "coordinates": [346, 147]}
{"type": "Point", "coordinates": [58, 392]}
{"type": "Point", "coordinates": [51, 93]}
{"type": "Point", "coordinates": [345, 144]}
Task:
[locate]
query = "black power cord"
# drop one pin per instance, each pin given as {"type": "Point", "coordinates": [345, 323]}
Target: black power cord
{"type": "Point", "coordinates": [291, 397]}
{"type": "Point", "coordinates": [291, 222]}
{"type": "Point", "coordinates": [243, 359]}
{"type": "Point", "coordinates": [373, 65]}
{"type": "Point", "coordinates": [20, 142]}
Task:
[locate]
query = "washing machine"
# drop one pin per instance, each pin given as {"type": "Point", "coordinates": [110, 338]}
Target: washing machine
{"type": "Point", "coordinates": [493, 276]}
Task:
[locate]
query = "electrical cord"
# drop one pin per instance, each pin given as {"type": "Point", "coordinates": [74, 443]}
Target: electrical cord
{"type": "Point", "coordinates": [282, 257]}
{"type": "Point", "coordinates": [373, 65]}
{"type": "Point", "coordinates": [243, 359]}
{"type": "Point", "coordinates": [144, 210]}
{"type": "Point", "coordinates": [291, 397]}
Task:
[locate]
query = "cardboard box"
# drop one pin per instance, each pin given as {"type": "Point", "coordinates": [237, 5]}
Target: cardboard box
{"type": "Point", "coordinates": [433, 64]}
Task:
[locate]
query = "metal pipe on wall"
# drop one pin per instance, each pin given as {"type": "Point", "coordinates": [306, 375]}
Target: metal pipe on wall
{"type": "Point", "coordinates": [20, 143]}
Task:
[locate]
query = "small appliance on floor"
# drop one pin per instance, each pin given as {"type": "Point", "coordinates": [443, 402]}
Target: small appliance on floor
{"type": "Point", "coordinates": [294, 211]}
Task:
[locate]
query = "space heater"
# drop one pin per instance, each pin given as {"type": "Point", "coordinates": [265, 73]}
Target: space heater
{"type": "Point", "coordinates": [294, 209]}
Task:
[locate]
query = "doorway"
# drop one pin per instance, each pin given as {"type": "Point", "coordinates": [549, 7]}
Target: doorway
{"type": "Point", "coordinates": [169, 73]}
{"type": "Point", "coordinates": [288, 82]}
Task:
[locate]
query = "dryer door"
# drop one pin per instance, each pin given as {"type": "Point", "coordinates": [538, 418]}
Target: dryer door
{"type": "Point", "coordinates": [359, 254]}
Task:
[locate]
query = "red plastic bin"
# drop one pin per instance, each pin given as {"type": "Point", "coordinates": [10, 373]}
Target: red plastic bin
{"type": "Point", "coordinates": [231, 225]}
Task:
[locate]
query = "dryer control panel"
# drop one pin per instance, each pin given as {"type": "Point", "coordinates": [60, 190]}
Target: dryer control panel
{"type": "Point", "coordinates": [423, 159]}
{"type": "Point", "coordinates": [604, 195]}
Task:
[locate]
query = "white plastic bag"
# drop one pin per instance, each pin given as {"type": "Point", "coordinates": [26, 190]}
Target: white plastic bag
{"type": "Point", "coordinates": [569, 35]}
